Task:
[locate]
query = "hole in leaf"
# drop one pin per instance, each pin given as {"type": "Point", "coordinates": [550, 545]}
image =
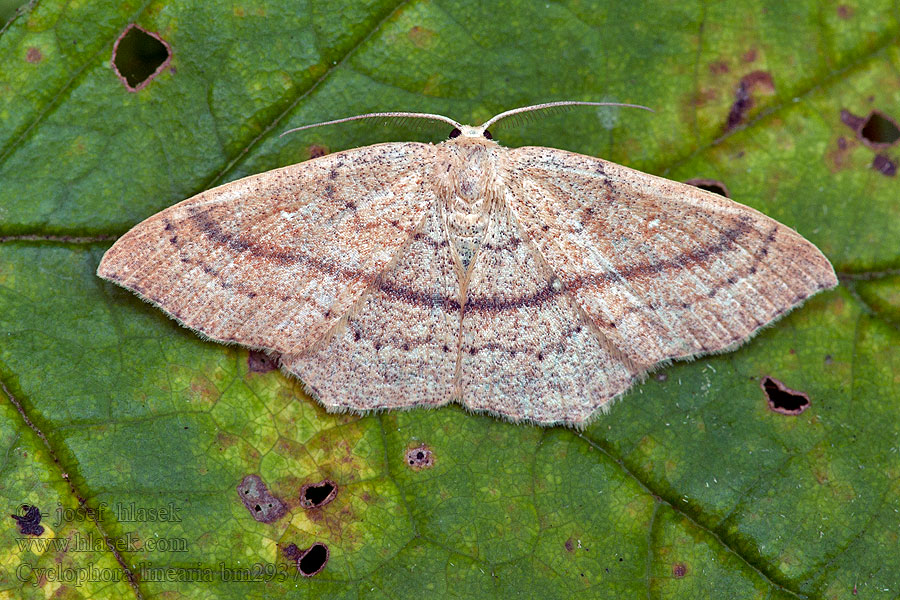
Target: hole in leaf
{"type": "Point", "coordinates": [314, 495]}
{"type": "Point", "coordinates": [313, 559]}
{"type": "Point", "coordinates": [139, 56]}
{"type": "Point", "coordinates": [29, 520]}
{"type": "Point", "coordinates": [710, 185]}
{"type": "Point", "coordinates": [879, 129]}
{"type": "Point", "coordinates": [783, 399]}
{"type": "Point", "coordinates": [420, 458]}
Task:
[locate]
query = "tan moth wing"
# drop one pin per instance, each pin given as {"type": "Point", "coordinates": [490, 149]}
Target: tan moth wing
{"type": "Point", "coordinates": [662, 269]}
{"type": "Point", "coordinates": [398, 347]}
{"type": "Point", "coordinates": [277, 260]}
{"type": "Point", "coordinates": [527, 351]}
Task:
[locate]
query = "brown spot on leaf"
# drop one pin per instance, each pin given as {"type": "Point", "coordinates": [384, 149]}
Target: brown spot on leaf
{"type": "Point", "coordinates": [263, 506]}
{"type": "Point", "coordinates": [710, 185]}
{"type": "Point", "coordinates": [421, 37]}
{"type": "Point", "coordinates": [761, 81]}
{"type": "Point", "coordinates": [844, 11]}
{"type": "Point", "coordinates": [661, 377]}
{"type": "Point", "coordinates": [679, 570]}
{"type": "Point", "coordinates": [704, 97]}
{"type": "Point", "coordinates": [719, 67]}
{"type": "Point", "coordinates": [316, 150]}
{"type": "Point", "coordinates": [139, 56]}
{"type": "Point", "coordinates": [336, 454]}
{"type": "Point", "coordinates": [750, 85]}
{"type": "Point", "coordinates": [750, 55]}
{"type": "Point", "coordinates": [260, 362]}
{"type": "Point", "coordinates": [338, 522]}
{"type": "Point", "coordinates": [225, 440]}
{"type": "Point", "coordinates": [852, 121]}
{"type": "Point", "coordinates": [884, 165]}
{"type": "Point", "coordinates": [315, 515]}
{"type": "Point", "coordinates": [742, 103]}
{"type": "Point", "coordinates": [34, 55]}
{"type": "Point", "coordinates": [316, 495]}
{"type": "Point", "coordinates": [838, 157]}
{"type": "Point", "coordinates": [204, 389]}
{"type": "Point", "coordinates": [570, 546]}
{"type": "Point", "coordinates": [783, 399]}
{"type": "Point", "coordinates": [291, 552]}
{"type": "Point", "coordinates": [821, 475]}
{"type": "Point", "coordinates": [313, 559]}
{"type": "Point", "coordinates": [420, 458]}
{"type": "Point", "coordinates": [288, 447]}
{"type": "Point", "coordinates": [29, 520]}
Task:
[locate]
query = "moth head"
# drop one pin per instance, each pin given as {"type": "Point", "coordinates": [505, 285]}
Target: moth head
{"type": "Point", "coordinates": [467, 131]}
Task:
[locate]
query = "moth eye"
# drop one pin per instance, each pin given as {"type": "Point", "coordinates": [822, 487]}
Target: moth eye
{"type": "Point", "coordinates": [488, 135]}
{"type": "Point", "coordinates": [455, 133]}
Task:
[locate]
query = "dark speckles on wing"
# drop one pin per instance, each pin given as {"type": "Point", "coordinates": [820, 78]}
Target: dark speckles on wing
{"type": "Point", "coordinates": [417, 298]}
{"type": "Point", "coordinates": [700, 255]}
{"type": "Point", "coordinates": [494, 304]}
{"type": "Point", "coordinates": [498, 304]}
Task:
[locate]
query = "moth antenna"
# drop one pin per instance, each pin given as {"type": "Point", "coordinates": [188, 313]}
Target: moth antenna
{"type": "Point", "coordinates": [554, 106]}
{"type": "Point", "coordinates": [381, 115]}
{"type": "Point", "coordinates": [417, 125]}
{"type": "Point", "coordinates": [531, 116]}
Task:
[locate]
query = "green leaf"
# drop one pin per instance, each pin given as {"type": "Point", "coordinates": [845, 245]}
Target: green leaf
{"type": "Point", "coordinates": [138, 432]}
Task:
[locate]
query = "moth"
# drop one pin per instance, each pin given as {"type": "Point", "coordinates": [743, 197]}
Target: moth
{"type": "Point", "coordinates": [531, 283]}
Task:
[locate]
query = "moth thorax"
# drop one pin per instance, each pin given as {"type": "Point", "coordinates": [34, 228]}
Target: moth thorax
{"type": "Point", "coordinates": [470, 171]}
{"type": "Point", "coordinates": [469, 187]}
